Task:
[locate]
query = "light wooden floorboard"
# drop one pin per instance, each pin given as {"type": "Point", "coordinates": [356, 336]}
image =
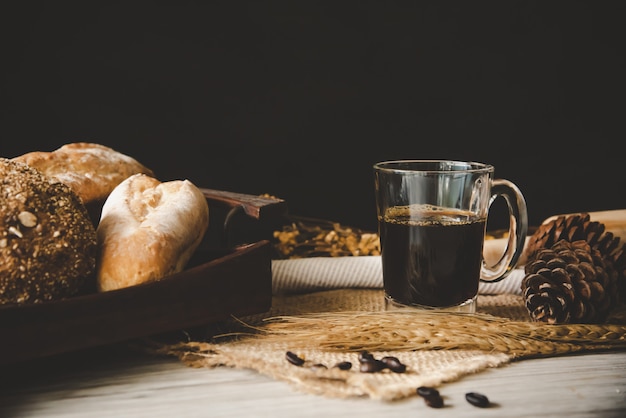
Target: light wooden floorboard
{"type": "Point", "coordinates": [131, 385]}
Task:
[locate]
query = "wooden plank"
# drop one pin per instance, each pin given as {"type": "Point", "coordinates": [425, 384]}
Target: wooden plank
{"type": "Point", "coordinates": [237, 218]}
{"type": "Point", "coordinates": [111, 385]}
{"type": "Point", "coordinates": [256, 207]}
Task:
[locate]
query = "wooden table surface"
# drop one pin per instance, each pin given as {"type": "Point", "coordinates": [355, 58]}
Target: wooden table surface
{"type": "Point", "coordinates": [117, 382]}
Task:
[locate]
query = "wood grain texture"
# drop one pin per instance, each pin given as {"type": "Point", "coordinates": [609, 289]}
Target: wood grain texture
{"type": "Point", "coordinates": [254, 206]}
{"type": "Point", "coordinates": [211, 289]}
{"type": "Point", "coordinates": [132, 385]}
{"type": "Point", "coordinates": [224, 277]}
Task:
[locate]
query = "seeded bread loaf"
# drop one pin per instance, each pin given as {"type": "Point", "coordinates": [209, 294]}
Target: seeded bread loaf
{"type": "Point", "coordinates": [91, 170]}
{"type": "Point", "coordinates": [148, 230]}
{"type": "Point", "coordinates": [47, 241]}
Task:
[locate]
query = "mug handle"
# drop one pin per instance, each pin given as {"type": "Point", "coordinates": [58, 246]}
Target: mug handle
{"type": "Point", "coordinates": [518, 228]}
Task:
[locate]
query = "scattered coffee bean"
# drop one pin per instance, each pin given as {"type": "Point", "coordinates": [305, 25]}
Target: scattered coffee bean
{"type": "Point", "coordinates": [372, 366]}
{"type": "Point", "coordinates": [365, 356]}
{"type": "Point", "coordinates": [431, 396]}
{"type": "Point", "coordinates": [434, 401]}
{"type": "Point", "coordinates": [344, 365]}
{"type": "Point", "coordinates": [294, 359]}
{"type": "Point", "coordinates": [477, 399]}
{"type": "Point", "coordinates": [368, 363]}
{"type": "Point", "coordinates": [427, 391]}
{"type": "Point", "coordinates": [394, 364]}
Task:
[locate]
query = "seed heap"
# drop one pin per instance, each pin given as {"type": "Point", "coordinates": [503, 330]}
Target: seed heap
{"type": "Point", "coordinates": [575, 272]}
{"type": "Point", "coordinates": [316, 238]}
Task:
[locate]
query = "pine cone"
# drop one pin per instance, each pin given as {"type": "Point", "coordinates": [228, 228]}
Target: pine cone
{"type": "Point", "coordinates": [572, 228]}
{"type": "Point", "coordinates": [570, 282]}
{"type": "Point", "coordinates": [580, 227]}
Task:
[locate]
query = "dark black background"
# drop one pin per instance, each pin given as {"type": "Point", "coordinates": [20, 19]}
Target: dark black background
{"type": "Point", "coordinates": [299, 98]}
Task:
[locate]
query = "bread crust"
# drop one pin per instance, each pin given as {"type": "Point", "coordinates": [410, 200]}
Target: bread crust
{"type": "Point", "coordinates": [91, 170]}
{"type": "Point", "coordinates": [47, 241]}
{"type": "Point", "coordinates": [148, 230]}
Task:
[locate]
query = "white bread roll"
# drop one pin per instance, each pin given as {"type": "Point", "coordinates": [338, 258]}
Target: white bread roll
{"type": "Point", "coordinates": [148, 230]}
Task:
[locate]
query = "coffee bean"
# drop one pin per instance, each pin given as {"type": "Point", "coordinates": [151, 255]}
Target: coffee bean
{"type": "Point", "coordinates": [372, 366]}
{"type": "Point", "coordinates": [294, 359]}
{"type": "Point", "coordinates": [365, 356]}
{"type": "Point", "coordinates": [434, 401]}
{"type": "Point", "coordinates": [427, 391]}
{"type": "Point", "coordinates": [344, 365]}
{"type": "Point", "coordinates": [477, 399]}
{"type": "Point", "coordinates": [431, 396]}
{"type": "Point", "coordinates": [394, 364]}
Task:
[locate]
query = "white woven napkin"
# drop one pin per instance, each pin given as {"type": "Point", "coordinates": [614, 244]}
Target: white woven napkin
{"type": "Point", "coordinates": [324, 273]}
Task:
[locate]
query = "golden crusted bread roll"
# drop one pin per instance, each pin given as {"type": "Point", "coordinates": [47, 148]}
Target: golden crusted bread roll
{"type": "Point", "coordinates": [47, 241]}
{"type": "Point", "coordinates": [148, 230]}
{"type": "Point", "coordinates": [91, 170]}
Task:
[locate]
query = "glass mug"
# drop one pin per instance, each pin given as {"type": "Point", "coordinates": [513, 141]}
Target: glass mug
{"type": "Point", "coordinates": [432, 218]}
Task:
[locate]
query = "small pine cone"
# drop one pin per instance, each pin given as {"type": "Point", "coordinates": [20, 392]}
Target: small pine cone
{"type": "Point", "coordinates": [570, 282]}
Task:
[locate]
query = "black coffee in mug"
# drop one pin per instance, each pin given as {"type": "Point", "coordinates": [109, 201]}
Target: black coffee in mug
{"type": "Point", "coordinates": [432, 216]}
{"type": "Point", "coordinates": [432, 255]}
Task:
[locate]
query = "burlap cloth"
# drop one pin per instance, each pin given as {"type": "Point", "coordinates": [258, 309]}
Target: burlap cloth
{"type": "Point", "coordinates": [326, 323]}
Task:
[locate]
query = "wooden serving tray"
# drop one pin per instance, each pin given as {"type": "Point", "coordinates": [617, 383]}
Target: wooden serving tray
{"type": "Point", "coordinates": [218, 283]}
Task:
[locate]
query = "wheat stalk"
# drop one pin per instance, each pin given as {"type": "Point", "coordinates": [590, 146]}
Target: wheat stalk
{"type": "Point", "coordinates": [408, 331]}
